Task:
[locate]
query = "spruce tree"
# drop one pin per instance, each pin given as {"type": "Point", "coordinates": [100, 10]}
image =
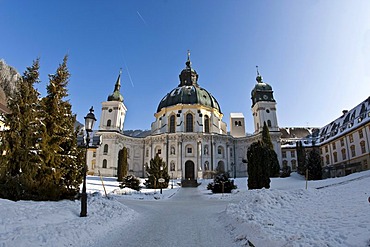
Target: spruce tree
{"type": "Point", "coordinates": [314, 164]}
{"type": "Point", "coordinates": [21, 162]}
{"type": "Point", "coordinates": [62, 167]}
{"type": "Point", "coordinates": [258, 174]}
{"type": "Point", "coordinates": [154, 172]}
{"type": "Point", "coordinates": [271, 158]}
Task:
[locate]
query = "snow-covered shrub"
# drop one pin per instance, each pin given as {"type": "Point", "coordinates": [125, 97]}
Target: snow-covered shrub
{"type": "Point", "coordinates": [221, 184]}
{"type": "Point", "coordinates": [131, 182]}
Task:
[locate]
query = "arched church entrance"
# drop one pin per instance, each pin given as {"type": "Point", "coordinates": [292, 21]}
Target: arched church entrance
{"type": "Point", "coordinates": [189, 170]}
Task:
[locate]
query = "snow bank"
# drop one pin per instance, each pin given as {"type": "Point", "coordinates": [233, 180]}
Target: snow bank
{"type": "Point", "coordinates": [29, 223]}
{"type": "Point", "coordinates": [336, 215]}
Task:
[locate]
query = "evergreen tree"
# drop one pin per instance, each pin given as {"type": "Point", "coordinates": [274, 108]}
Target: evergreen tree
{"type": "Point", "coordinates": [154, 172]}
{"type": "Point", "coordinates": [314, 164]}
{"type": "Point", "coordinates": [62, 167]}
{"type": "Point", "coordinates": [122, 164]}
{"type": "Point", "coordinates": [131, 182]}
{"type": "Point", "coordinates": [301, 157]}
{"type": "Point", "coordinates": [258, 173]}
{"type": "Point", "coordinates": [271, 159]}
{"type": "Point", "coordinates": [19, 140]}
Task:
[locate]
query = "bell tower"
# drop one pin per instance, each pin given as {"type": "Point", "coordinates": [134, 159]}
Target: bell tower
{"type": "Point", "coordinates": [113, 110]}
{"type": "Point", "coordinates": [263, 106]}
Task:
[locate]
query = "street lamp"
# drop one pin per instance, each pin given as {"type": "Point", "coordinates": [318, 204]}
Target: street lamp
{"type": "Point", "coordinates": [89, 123]}
{"type": "Point", "coordinates": [160, 175]}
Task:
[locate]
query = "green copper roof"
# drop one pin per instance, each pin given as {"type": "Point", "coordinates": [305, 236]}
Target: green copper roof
{"type": "Point", "coordinates": [116, 95]}
{"type": "Point", "coordinates": [189, 95]}
{"type": "Point", "coordinates": [188, 91]}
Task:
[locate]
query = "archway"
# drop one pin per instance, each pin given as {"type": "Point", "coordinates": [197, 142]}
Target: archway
{"type": "Point", "coordinates": [189, 170]}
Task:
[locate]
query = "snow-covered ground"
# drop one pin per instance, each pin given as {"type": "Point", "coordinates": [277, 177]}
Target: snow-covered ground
{"type": "Point", "coordinates": [336, 214]}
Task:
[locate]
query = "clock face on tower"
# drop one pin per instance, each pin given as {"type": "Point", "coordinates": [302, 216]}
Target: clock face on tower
{"type": "Point", "coordinates": [265, 97]}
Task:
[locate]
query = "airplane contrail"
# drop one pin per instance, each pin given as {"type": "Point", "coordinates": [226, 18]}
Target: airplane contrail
{"type": "Point", "coordinates": [141, 18]}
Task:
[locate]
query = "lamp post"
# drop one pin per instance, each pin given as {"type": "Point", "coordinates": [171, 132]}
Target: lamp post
{"type": "Point", "coordinates": [172, 180]}
{"type": "Point", "coordinates": [89, 123]}
{"type": "Point", "coordinates": [160, 175]}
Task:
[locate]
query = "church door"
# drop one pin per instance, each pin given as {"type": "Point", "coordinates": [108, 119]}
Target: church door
{"type": "Point", "coordinates": [189, 170]}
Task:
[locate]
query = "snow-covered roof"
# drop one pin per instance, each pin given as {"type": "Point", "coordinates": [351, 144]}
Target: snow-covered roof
{"type": "Point", "coordinates": [236, 115]}
{"type": "Point", "coordinates": [349, 121]}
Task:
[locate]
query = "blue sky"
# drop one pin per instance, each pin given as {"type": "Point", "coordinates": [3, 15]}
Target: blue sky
{"type": "Point", "coordinates": [315, 54]}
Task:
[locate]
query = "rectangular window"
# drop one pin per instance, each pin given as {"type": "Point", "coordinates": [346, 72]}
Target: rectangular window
{"type": "Point", "coordinates": [94, 154]}
{"type": "Point", "coordinates": [360, 133]}
{"type": "Point", "coordinates": [334, 146]}
{"type": "Point", "coordinates": [292, 154]}
{"type": "Point", "coordinates": [342, 142]}
{"type": "Point", "coordinates": [159, 151]}
{"type": "Point", "coordinates": [344, 156]}
{"type": "Point", "coordinates": [190, 150]}
{"type": "Point", "coordinates": [335, 157]}
{"type": "Point", "coordinates": [284, 154]}
{"type": "Point", "coordinates": [326, 149]}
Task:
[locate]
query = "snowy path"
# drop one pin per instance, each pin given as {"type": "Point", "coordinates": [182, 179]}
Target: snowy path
{"type": "Point", "coordinates": [187, 219]}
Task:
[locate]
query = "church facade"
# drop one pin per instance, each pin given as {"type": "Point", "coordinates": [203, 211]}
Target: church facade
{"type": "Point", "coordinates": [188, 133]}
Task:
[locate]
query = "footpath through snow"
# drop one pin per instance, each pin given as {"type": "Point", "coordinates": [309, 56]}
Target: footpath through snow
{"type": "Point", "coordinates": [337, 214]}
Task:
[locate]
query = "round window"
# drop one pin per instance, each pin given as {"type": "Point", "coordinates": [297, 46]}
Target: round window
{"type": "Point", "coordinates": [267, 110]}
{"type": "Point", "coordinates": [110, 110]}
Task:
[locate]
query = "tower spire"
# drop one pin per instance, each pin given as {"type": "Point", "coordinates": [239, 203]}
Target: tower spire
{"type": "Point", "coordinates": [188, 62]}
{"type": "Point", "coordinates": [116, 95]}
{"type": "Point", "coordinates": [259, 77]}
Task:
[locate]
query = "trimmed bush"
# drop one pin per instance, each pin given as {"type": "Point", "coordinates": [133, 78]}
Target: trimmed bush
{"type": "Point", "coordinates": [221, 184]}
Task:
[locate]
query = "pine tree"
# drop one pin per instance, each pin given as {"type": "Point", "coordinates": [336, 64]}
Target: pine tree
{"type": "Point", "coordinates": [314, 164]}
{"type": "Point", "coordinates": [271, 158]}
{"type": "Point", "coordinates": [19, 140]}
{"type": "Point", "coordinates": [122, 164]}
{"type": "Point", "coordinates": [62, 167]}
{"type": "Point", "coordinates": [258, 174]}
{"type": "Point", "coordinates": [154, 173]}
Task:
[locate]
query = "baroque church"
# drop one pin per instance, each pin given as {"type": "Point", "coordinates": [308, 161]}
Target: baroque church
{"type": "Point", "coordinates": [188, 133]}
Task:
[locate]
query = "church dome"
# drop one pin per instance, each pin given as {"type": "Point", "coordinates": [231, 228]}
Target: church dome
{"type": "Point", "coordinates": [189, 95]}
{"type": "Point", "coordinates": [261, 91]}
{"type": "Point", "coordinates": [188, 91]}
{"type": "Point", "coordinates": [261, 86]}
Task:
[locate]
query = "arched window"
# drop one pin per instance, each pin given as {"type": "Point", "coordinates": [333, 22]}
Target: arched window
{"type": "Point", "coordinates": [269, 123]}
{"type": "Point", "coordinates": [105, 163]}
{"type": "Point", "coordinates": [105, 149]}
{"type": "Point", "coordinates": [258, 126]}
{"type": "Point", "coordinates": [353, 151]}
{"type": "Point", "coordinates": [206, 124]}
{"type": "Point", "coordinates": [172, 124]}
{"type": "Point", "coordinates": [173, 151]}
{"type": "Point", "coordinates": [344, 156]}
{"type": "Point", "coordinates": [363, 148]}
{"type": "Point", "coordinates": [109, 123]}
{"type": "Point", "coordinates": [220, 151]}
{"type": "Point", "coordinates": [189, 122]}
